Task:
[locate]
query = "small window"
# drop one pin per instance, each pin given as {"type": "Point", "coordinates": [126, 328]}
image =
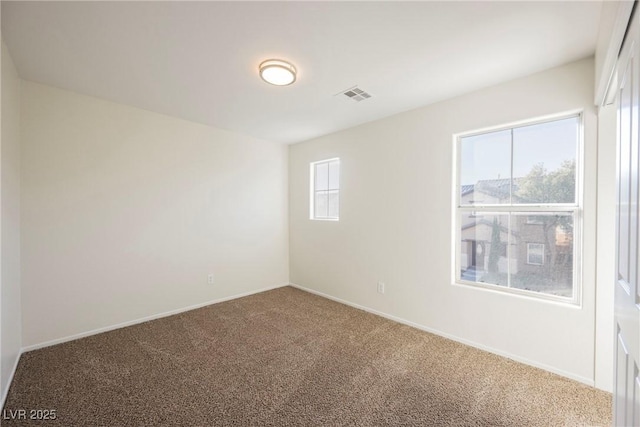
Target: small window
{"type": "Point", "coordinates": [535, 253]}
{"type": "Point", "coordinates": [325, 190]}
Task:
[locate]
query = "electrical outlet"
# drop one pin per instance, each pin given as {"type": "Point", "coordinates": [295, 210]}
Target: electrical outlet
{"type": "Point", "coordinates": [381, 287]}
{"type": "Point", "coordinates": [210, 279]}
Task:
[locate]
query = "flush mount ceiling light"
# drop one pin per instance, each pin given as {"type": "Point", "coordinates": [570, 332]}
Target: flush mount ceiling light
{"type": "Point", "coordinates": [277, 72]}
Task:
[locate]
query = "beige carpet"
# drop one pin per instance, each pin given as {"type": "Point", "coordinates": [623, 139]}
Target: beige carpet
{"type": "Point", "coordinates": [285, 358]}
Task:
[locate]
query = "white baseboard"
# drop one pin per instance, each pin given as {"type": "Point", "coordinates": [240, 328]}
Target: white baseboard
{"type": "Point", "coordinates": [5, 392]}
{"type": "Point", "coordinates": [584, 380]}
{"type": "Point", "coordinates": [145, 319]}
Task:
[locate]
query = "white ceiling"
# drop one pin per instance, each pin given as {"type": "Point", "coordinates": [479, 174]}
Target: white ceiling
{"type": "Point", "coordinates": [198, 60]}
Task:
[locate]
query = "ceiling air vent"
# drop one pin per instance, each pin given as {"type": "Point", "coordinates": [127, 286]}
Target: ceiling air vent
{"type": "Point", "coordinates": [356, 94]}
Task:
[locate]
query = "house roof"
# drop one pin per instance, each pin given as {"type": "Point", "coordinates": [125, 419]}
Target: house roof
{"type": "Point", "coordinates": [466, 189]}
{"type": "Point", "coordinates": [499, 188]}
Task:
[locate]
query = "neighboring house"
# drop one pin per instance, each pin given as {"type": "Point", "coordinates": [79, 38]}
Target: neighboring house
{"type": "Point", "coordinates": [540, 247]}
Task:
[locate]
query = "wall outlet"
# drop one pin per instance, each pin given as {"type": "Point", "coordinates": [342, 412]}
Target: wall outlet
{"type": "Point", "coordinates": [381, 287]}
{"type": "Point", "coordinates": [210, 279]}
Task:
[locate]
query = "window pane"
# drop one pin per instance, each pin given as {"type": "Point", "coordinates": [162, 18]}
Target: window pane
{"type": "Point", "coordinates": [320, 204]}
{"type": "Point", "coordinates": [334, 175]}
{"type": "Point", "coordinates": [334, 204]}
{"type": "Point", "coordinates": [544, 162]}
{"type": "Point", "coordinates": [483, 249]}
{"type": "Point", "coordinates": [322, 176]}
{"type": "Point", "coordinates": [542, 252]}
{"type": "Point", "coordinates": [485, 168]}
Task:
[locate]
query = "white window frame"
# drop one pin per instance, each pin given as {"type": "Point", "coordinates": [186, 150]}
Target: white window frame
{"type": "Point", "coordinates": [489, 209]}
{"type": "Point", "coordinates": [529, 248]}
{"type": "Point", "coordinates": [312, 189]}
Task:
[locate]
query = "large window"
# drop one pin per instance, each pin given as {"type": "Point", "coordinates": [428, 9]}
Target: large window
{"type": "Point", "coordinates": [518, 216]}
{"type": "Point", "coordinates": [325, 190]}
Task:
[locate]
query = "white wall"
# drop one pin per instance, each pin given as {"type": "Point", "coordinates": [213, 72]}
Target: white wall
{"type": "Point", "coordinates": [614, 18]}
{"type": "Point", "coordinates": [125, 212]}
{"type": "Point", "coordinates": [607, 133]}
{"type": "Point", "coordinates": [395, 224]}
{"type": "Point", "coordinates": [613, 23]}
{"type": "Point", "coordinates": [10, 321]}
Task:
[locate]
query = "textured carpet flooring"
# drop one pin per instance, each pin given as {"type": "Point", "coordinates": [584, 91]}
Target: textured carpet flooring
{"type": "Point", "coordinates": [284, 358]}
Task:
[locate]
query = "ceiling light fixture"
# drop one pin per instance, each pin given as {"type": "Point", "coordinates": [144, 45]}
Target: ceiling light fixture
{"type": "Point", "coordinates": [277, 72]}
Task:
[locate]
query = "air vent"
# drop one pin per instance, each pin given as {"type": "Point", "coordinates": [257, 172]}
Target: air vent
{"type": "Point", "coordinates": [356, 94]}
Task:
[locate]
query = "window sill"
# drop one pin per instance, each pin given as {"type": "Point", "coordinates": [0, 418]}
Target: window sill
{"type": "Point", "coordinates": [519, 293]}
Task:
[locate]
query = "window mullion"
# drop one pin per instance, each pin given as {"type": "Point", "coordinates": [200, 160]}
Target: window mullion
{"type": "Point", "coordinates": [518, 208]}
